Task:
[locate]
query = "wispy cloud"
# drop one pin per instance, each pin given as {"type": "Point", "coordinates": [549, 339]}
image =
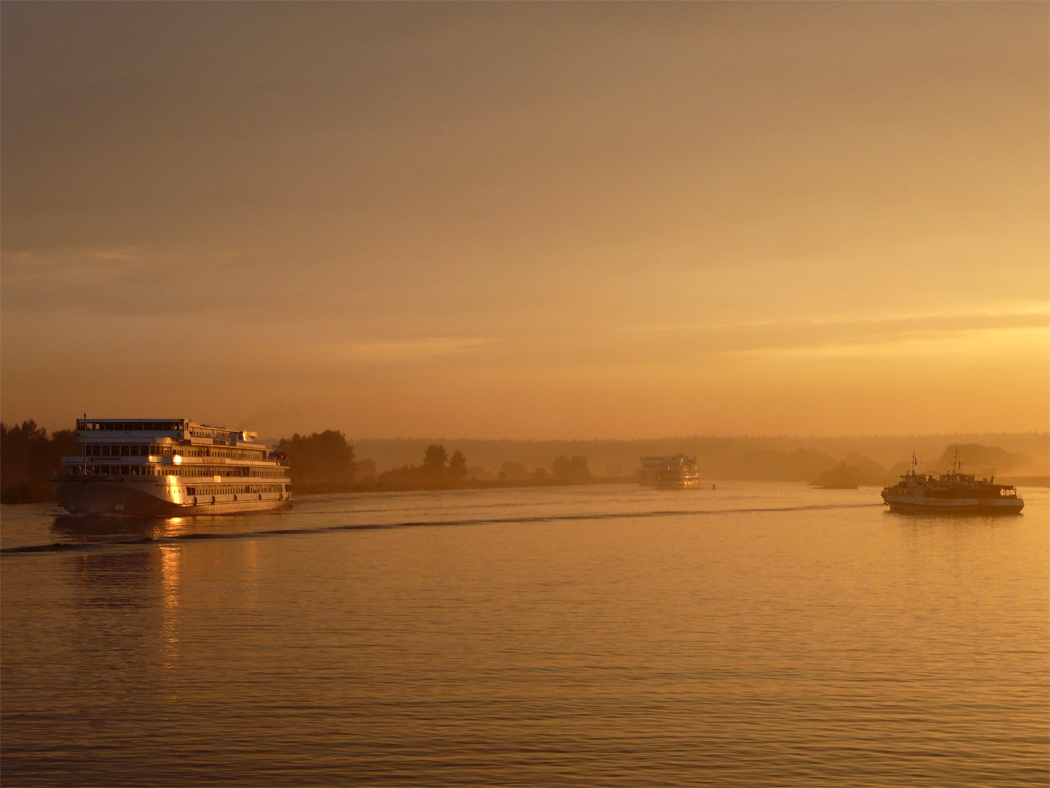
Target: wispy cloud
{"type": "Point", "coordinates": [395, 351]}
{"type": "Point", "coordinates": [750, 336]}
{"type": "Point", "coordinates": [81, 264]}
{"type": "Point", "coordinates": [127, 280]}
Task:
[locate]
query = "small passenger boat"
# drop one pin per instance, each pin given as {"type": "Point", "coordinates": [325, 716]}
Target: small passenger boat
{"type": "Point", "coordinates": [953, 492]}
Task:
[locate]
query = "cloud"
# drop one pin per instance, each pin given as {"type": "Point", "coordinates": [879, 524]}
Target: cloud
{"type": "Point", "coordinates": [122, 281]}
{"type": "Point", "coordinates": [849, 336]}
{"type": "Point", "coordinates": [679, 344]}
{"type": "Point", "coordinates": [398, 351]}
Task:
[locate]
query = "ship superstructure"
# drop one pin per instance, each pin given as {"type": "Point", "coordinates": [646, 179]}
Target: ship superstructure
{"type": "Point", "coordinates": [953, 492]}
{"type": "Point", "coordinates": [169, 467]}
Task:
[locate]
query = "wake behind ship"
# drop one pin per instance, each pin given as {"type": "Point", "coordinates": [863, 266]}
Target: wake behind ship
{"type": "Point", "coordinates": [169, 468]}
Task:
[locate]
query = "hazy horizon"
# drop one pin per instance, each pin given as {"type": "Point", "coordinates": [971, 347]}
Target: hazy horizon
{"type": "Point", "coordinates": [591, 221]}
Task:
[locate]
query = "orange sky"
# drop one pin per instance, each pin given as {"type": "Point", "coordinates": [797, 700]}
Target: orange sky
{"type": "Point", "coordinates": [528, 220]}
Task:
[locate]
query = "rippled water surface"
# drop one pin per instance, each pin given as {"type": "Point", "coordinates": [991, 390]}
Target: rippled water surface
{"type": "Point", "coordinates": [754, 634]}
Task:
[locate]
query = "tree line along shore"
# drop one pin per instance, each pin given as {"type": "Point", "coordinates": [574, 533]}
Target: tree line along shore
{"type": "Point", "coordinates": [326, 462]}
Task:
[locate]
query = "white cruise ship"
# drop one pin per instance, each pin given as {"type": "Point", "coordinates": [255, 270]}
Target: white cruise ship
{"type": "Point", "coordinates": [676, 473]}
{"type": "Point", "coordinates": [169, 468]}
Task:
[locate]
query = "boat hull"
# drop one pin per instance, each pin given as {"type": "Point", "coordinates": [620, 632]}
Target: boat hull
{"type": "Point", "coordinates": [678, 484]}
{"type": "Point", "coordinates": [119, 497]}
{"type": "Point", "coordinates": [957, 506]}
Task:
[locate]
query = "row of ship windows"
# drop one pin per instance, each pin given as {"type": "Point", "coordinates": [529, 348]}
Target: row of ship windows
{"type": "Point", "coordinates": [231, 454]}
{"type": "Point", "coordinates": [170, 451]}
{"type": "Point", "coordinates": [221, 435]}
{"type": "Point", "coordinates": [146, 470]}
{"type": "Point", "coordinates": [154, 426]}
{"type": "Point", "coordinates": [237, 489]}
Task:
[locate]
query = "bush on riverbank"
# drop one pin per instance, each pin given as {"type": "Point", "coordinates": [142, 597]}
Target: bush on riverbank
{"type": "Point", "coordinates": [321, 462]}
{"type": "Point", "coordinates": [28, 457]}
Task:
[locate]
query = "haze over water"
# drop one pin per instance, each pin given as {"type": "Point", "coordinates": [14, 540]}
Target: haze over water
{"type": "Point", "coordinates": [765, 634]}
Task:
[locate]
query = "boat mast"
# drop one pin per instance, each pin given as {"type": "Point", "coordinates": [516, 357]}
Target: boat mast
{"type": "Point", "coordinates": [83, 438]}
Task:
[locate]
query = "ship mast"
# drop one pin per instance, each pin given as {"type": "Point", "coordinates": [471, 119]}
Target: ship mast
{"type": "Point", "coordinates": [83, 439]}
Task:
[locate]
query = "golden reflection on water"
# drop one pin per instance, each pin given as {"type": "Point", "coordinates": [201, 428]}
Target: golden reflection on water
{"type": "Point", "coordinates": [171, 576]}
{"type": "Point", "coordinates": [176, 526]}
{"type": "Point", "coordinates": [251, 574]}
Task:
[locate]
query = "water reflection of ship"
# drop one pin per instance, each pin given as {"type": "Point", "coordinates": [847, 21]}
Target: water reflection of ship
{"type": "Point", "coordinates": [144, 583]}
{"type": "Point", "coordinates": [120, 578]}
{"type": "Point", "coordinates": [110, 530]}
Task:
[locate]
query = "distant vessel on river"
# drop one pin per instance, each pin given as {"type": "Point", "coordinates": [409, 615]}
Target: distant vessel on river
{"type": "Point", "coordinates": [169, 467]}
{"type": "Point", "coordinates": [954, 492]}
{"type": "Point", "coordinates": [670, 473]}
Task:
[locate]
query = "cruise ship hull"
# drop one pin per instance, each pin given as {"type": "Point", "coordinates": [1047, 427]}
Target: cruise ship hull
{"type": "Point", "coordinates": [677, 484]}
{"type": "Point", "coordinates": [122, 497]}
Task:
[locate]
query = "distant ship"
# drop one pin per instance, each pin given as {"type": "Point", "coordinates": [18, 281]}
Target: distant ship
{"type": "Point", "coordinates": [678, 473]}
{"type": "Point", "coordinates": [953, 492]}
{"type": "Point", "coordinates": [169, 468]}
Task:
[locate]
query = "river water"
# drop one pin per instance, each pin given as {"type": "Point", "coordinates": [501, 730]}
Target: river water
{"type": "Point", "coordinates": [757, 634]}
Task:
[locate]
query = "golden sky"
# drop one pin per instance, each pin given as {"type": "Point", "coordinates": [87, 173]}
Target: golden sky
{"type": "Point", "coordinates": [528, 220]}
